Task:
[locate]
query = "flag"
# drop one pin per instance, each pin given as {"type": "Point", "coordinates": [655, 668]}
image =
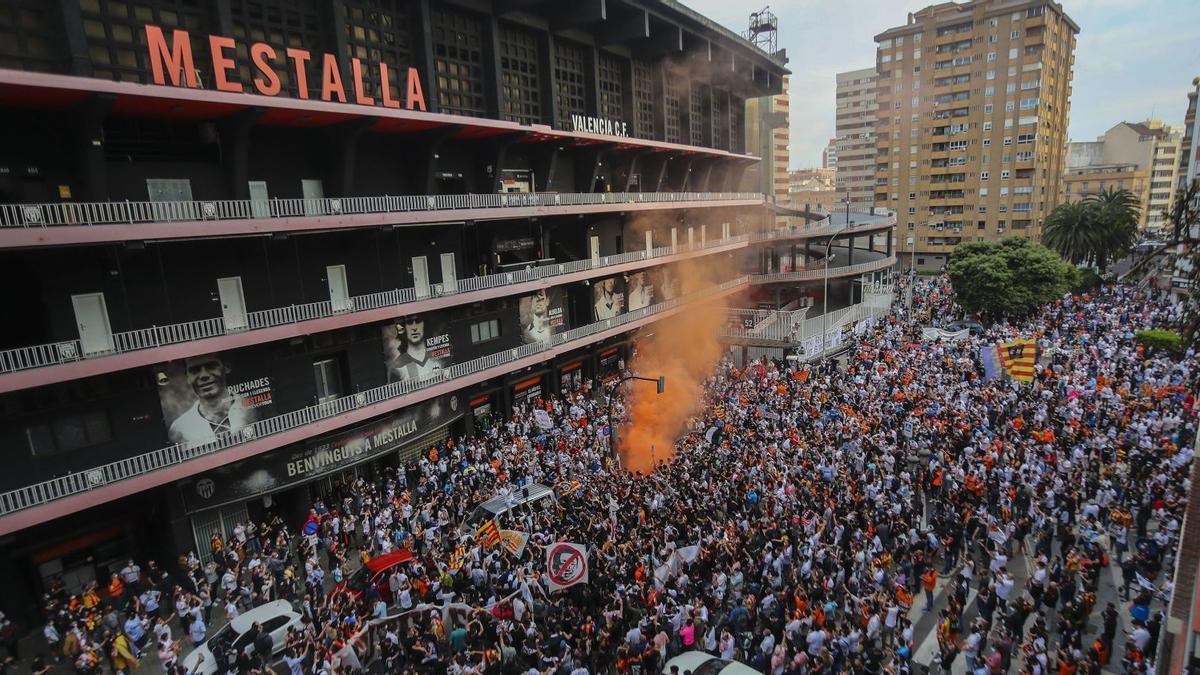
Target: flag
{"type": "Point", "coordinates": [489, 533]}
{"type": "Point", "coordinates": [1017, 358]}
{"type": "Point", "coordinates": [991, 362]}
{"type": "Point", "coordinates": [514, 541]}
{"type": "Point", "coordinates": [568, 487]}
{"type": "Point", "coordinates": [456, 559]}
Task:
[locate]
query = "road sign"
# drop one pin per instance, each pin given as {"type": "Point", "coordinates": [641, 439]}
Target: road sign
{"type": "Point", "coordinates": [566, 565]}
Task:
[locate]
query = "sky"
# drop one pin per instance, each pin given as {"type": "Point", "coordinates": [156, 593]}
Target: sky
{"type": "Point", "coordinates": [1133, 58]}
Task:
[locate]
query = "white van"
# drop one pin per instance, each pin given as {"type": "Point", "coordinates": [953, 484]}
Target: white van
{"type": "Point", "coordinates": [532, 496]}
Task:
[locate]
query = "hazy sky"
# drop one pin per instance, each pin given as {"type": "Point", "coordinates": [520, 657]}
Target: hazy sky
{"type": "Point", "coordinates": [1133, 58]}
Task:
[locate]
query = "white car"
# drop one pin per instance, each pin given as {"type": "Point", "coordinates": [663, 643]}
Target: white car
{"type": "Point", "coordinates": [274, 617]}
{"type": "Point", "coordinates": [703, 663]}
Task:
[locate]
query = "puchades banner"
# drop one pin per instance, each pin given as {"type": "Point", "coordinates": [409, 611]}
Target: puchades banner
{"type": "Point", "coordinates": [203, 396]}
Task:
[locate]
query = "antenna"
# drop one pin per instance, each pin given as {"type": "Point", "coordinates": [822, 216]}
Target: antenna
{"type": "Point", "coordinates": [764, 30]}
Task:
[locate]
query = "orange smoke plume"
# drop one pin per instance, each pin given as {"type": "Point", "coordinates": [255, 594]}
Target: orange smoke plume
{"type": "Point", "coordinates": [685, 349]}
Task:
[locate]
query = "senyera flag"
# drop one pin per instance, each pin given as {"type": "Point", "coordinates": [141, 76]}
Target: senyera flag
{"type": "Point", "coordinates": [1018, 358]}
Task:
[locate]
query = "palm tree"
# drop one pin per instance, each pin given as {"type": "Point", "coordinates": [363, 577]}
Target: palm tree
{"type": "Point", "coordinates": [1071, 230]}
{"type": "Point", "coordinates": [1116, 213]}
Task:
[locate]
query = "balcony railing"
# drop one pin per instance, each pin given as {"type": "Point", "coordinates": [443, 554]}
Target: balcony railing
{"type": "Point", "coordinates": [124, 213]}
{"type": "Point", "coordinates": [81, 481]}
{"type": "Point", "coordinates": [824, 226]}
{"type": "Point", "coordinates": [810, 274]}
{"type": "Point", "coordinates": [795, 327]}
{"type": "Point", "coordinates": [55, 353]}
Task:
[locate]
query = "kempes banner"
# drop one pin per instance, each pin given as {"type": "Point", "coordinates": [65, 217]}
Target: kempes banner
{"type": "Point", "coordinates": [301, 463]}
{"type": "Point", "coordinates": [541, 315]}
{"type": "Point", "coordinates": [202, 396]}
{"type": "Point", "coordinates": [417, 347]}
{"type": "Point", "coordinates": [566, 565]}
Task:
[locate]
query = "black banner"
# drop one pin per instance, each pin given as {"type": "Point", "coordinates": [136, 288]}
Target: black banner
{"type": "Point", "coordinates": [301, 463]}
{"type": "Point", "coordinates": [541, 315]}
{"type": "Point", "coordinates": [417, 347]}
{"type": "Point", "coordinates": [202, 396]}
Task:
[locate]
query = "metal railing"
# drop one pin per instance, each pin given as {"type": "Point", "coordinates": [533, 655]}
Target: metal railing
{"type": "Point", "coordinates": [810, 274]}
{"type": "Point", "coordinates": [788, 328]}
{"type": "Point", "coordinates": [127, 212]}
{"type": "Point", "coordinates": [76, 482]}
{"type": "Point", "coordinates": [39, 356]}
{"type": "Point", "coordinates": [824, 226]}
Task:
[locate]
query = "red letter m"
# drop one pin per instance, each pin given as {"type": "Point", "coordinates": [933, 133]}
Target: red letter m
{"type": "Point", "coordinates": [178, 57]}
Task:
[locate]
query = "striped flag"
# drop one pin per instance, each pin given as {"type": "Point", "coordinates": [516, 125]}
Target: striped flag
{"type": "Point", "coordinates": [489, 533]}
{"type": "Point", "coordinates": [456, 559]}
{"type": "Point", "coordinates": [1017, 358]}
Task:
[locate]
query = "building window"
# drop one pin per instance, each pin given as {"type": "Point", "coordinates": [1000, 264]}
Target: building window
{"type": "Point", "coordinates": [378, 32]}
{"type": "Point", "coordinates": [458, 56]}
{"type": "Point", "coordinates": [1014, 35]}
{"type": "Point", "coordinates": [672, 107]}
{"type": "Point", "coordinates": [643, 98]}
{"type": "Point", "coordinates": [327, 374]}
{"type": "Point", "coordinates": [697, 103]}
{"type": "Point", "coordinates": [611, 97]}
{"type": "Point", "coordinates": [570, 84]}
{"type": "Point", "coordinates": [521, 85]}
{"type": "Point", "coordinates": [983, 175]}
{"type": "Point", "coordinates": [69, 432]}
{"type": "Point", "coordinates": [485, 331]}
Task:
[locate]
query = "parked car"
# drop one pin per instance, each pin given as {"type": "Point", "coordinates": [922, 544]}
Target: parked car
{"type": "Point", "coordinates": [974, 326]}
{"type": "Point", "coordinates": [703, 663]}
{"type": "Point", "coordinates": [274, 617]}
{"type": "Point", "coordinates": [375, 575]}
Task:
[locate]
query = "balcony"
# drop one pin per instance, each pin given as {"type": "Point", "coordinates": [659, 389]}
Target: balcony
{"type": "Point", "coordinates": [792, 328]}
{"type": "Point", "coordinates": [37, 365]}
{"type": "Point", "coordinates": [66, 223]}
{"type": "Point", "coordinates": [883, 262]}
{"type": "Point", "coordinates": [860, 220]}
{"type": "Point", "coordinates": [77, 490]}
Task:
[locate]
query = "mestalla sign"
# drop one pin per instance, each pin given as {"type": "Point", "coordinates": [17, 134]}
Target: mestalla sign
{"type": "Point", "coordinates": [171, 60]}
{"type": "Point", "coordinates": [297, 464]}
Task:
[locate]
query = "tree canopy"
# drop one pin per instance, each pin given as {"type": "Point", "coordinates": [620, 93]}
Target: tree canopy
{"type": "Point", "coordinates": [1096, 231]}
{"type": "Point", "coordinates": [1011, 276]}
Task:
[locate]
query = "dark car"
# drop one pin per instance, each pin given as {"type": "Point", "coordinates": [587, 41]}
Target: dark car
{"type": "Point", "coordinates": [972, 325]}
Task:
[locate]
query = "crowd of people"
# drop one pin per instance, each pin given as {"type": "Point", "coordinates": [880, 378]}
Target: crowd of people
{"type": "Point", "coordinates": [805, 511]}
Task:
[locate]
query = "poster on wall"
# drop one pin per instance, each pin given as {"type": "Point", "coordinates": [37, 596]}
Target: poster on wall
{"type": "Point", "coordinates": [203, 396]}
{"type": "Point", "coordinates": [302, 462]}
{"type": "Point", "coordinates": [415, 348]}
{"type": "Point", "coordinates": [608, 298]}
{"type": "Point", "coordinates": [526, 391]}
{"type": "Point", "coordinates": [541, 315]}
{"type": "Point", "coordinates": [666, 284]}
{"type": "Point", "coordinates": [641, 290]}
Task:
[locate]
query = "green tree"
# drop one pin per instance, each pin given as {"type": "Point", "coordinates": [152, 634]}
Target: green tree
{"type": "Point", "coordinates": [1011, 276]}
{"type": "Point", "coordinates": [1071, 230]}
{"type": "Point", "coordinates": [1116, 215]}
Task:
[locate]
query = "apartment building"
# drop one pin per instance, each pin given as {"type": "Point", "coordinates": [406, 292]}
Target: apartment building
{"type": "Point", "coordinates": [1189, 146]}
{"type": "Point", "coordinates": [829, 158]}
{"type": "Point", "coordinates": [812, 189]}
{"type": "Point", "coordinates": [855, 129]}
{"type": "Point", "coordinates": [768, 135]}
{"type": "Point", "coordinates": [1141, 157]}
{"type": "Point", "coordinates": [256, 248]}
{"type": "Point", "coordinates": [973, 101]}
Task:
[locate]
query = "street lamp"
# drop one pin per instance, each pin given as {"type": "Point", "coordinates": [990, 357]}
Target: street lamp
{"type": "Point", "coordinates": [828, 259]}
{"type": "Point", "coordinates": [660, 381]}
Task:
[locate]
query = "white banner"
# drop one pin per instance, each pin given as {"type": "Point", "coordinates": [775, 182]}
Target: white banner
{"type": "Point", "coordinates": [933, 334]}
{"type": "Point", "coordinates": [543, 419]}
{"type": "Point", "coordinates": [833, 339]}
{"type": "Point", "coordinates": [812, 345]}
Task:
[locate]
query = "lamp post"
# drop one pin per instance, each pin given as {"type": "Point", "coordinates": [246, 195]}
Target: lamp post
{"type": "Point", "coordinates": [661, 381]}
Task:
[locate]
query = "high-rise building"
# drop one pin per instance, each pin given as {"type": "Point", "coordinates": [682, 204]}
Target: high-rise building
{"type": "Point", "coordinates": [252, 254]}
{"type": "Point", "coordinates": [973, 100]}
{"type": "Point", "coordinates": [856, 136]}
{"type": "Point", "coordinates": [829, 158]}
{"type": "Point", "coordinates": [1189, 147]}
{"type": "Point", "coordinates": [768, 136]}
{"type": "Point", "coordinates": [1141, 157]}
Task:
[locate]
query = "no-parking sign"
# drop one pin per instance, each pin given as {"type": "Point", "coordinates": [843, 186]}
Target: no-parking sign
{"type": "Point", "coordinates": [566, 565]}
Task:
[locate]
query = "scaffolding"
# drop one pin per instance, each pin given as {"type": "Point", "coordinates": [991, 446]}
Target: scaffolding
{"type": "Point", "coordinates": [764, 30]}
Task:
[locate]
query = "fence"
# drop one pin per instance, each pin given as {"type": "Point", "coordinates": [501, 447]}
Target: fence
{"type": "Point", "coordinates": [812, 274]}
{"type": "Point", "coordinates": [38, 356]}
{"type": "Point", "coordinates": [127, 212]}
{"type": "Point", "coordinates": [82, 481]}
{"type": "Point", "coordinates": [795, 329]}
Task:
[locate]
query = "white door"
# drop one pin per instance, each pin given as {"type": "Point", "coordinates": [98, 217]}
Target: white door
{"type": "Point", "coordinates": [313, 189]}
{"type": "Point", "coordinates": [691, 235]}
{"type": "Point", "coordinates": [172, 198]}
{"type": "Point", "coordinates": [724, 230]}
{"type": "Point", "coordinates": [703, 234]}
{"type": "Point", "coordinates": [260, 200]}
{"type": "Point", "coordinates": [595, 250]}
{"type": "Point", "coordinates": [233, 303]}
{"type": "Point", "coordinates": [674, 237]}
{"type": "Point", "coordinates": [91, 317]}
{"type": "Point", "coordinates": [449, 277]}
{"type": "Point", "coordinates": [421, 276]}
{"type": "Point", "coordinates": [339, 290]}
{"type": "Point", "coordinates": [649, 241]}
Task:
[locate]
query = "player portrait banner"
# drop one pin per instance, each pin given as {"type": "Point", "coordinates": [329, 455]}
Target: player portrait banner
{"type": "Point", "coordinates": [566, 565]}
{"type": "Point", "coordinates": [640, 290]}
{"type": "Point", "coordinates": [203, 396]}
{"type": "Point", "coordinates": [666, 283]}
{"type": "Point", "coordinates": [416, 347]}
{"type": "Point", "coordinates": [405, 431]}
{"type": "Point", "coordinates": [541, 315]}
{"type": "Point", "coordinates": [608, 298]}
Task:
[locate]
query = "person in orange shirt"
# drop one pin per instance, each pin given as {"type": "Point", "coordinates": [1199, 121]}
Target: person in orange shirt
{"type": "Point", "coordinates": [929, 583]}
{"type": "Point", "coordinates": [116, 590]}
